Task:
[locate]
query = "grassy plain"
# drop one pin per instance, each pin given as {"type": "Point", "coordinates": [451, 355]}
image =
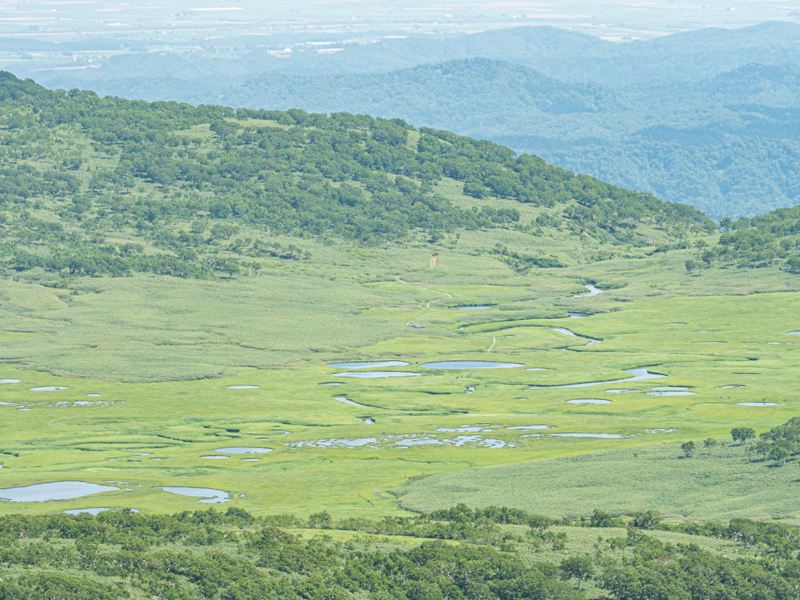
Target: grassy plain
{"type": "Point", "coordinates": [161, 353]}
{"type": "Point", "coordinates": [715, 485]}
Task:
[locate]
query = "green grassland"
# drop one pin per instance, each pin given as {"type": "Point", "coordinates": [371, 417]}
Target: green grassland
{"type": "Point", "coordinates": [715, 485]}
{"type": "Point", "coordinates": [351, 211]}
{"type": "Point", "coordinates": [162, 351]}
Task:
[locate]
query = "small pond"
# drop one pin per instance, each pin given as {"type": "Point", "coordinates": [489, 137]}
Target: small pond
{"type": "Point", "coordinates": [334, 443]}
{"type": "Point", "coordinates": [474, 307]}
{"type": "Point", "coordinates": [568, 332]}
{"type": "Point", "coordinates": [470, 364]}
{"type": "Point", "coordinates": [598, 436]}
{"type": "Point", "coordinates": [78, 403]}
{"type": "Point", "coordinates": [347, 401]}
{"type": "Point", "coordinates": [242, 387]}
{"type": "Point", "coordinates": [48, 388]}
{"type": "Point", "coordinates": [5, 381]}
{"type": "Point", "coordinates": [410, 442]}
{"type": "Point", "coordinates": [564, 331]}
{"type": "Point", "coordinates": [243, 450]}
{"type": "Point", "coordinates": [207, 495]}
{"type": "Point", "coordinates": [591, 291]}
{"type": "Point", "coordinates": [377, 374]}
{"type": "Point", "coordinates": [461, 441]}
{"type": "Point", "coordinates": [215, 457]}
{"type": "Point", "coordinates": [86, 511]}
{"type": "Point", "coordinates": [463, 429]}
{"type": "Point", "coordinates": [59, 490]}
{"type": "Point", "coordinates": [757, 404]}
{"type": "Point", "coordinates": [589, 401]}
{"type": "Point", "coordinates": [638, 374]}
{"type": "Point", "coordinates": [529, 427]}
{"type": "Point", "coordinates": [377, 364]}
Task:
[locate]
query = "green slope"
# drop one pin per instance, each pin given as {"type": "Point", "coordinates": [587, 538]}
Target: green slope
{"type": "Point", "coordinates": [107, 186]}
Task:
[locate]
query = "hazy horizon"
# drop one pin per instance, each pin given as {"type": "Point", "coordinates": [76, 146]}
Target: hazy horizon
{"type": "Point", "coordinates": [185, 20]}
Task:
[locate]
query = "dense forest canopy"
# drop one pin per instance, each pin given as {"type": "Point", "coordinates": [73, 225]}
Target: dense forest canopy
{"type": "Point", "coordinates": [764, 241]}
{"type": "Point", "coordinates": [108, 186]}
{"type": "Point", "coordinates": [459, 553]}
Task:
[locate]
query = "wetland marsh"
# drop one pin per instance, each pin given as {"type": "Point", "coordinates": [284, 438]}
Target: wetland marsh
{"type": "Point", "coordinates": [474, 389]}
{"type": "Point", "coordinates": [418, 408]}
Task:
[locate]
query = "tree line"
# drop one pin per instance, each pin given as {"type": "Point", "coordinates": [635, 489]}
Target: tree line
{"type": "Point", "coordinates": [458, 553]}
{"type": "Point", "coordinates": [186, 186]}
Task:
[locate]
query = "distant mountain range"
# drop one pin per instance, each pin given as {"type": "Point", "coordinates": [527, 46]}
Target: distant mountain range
{"type": "Point", "coordinates": [706, 117]}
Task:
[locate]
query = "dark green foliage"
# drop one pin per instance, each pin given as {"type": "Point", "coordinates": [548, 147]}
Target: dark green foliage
{"type": "Point", "coordinates": [781, 443]}
{"type": "Point", "coordinates": [774, 538]}
{"type": "Point", "coordinates": [172, 189]}
{"type": "Point", "coordinates": [603, 519]}
{"type": "Point", "coordinates": [233, 555]}
{"type": "Point", "coordinates": [577, 567]}
{"type": "Point", "coordinates": [645, 520]}
{"type": "Point", "coordinates": [688, 449]}
{"type": "Point", "coordinates": [771, 239]}
{"type": "Point", "coordinates": [60, 587]}
{"type": "Point", "coordinates": [523, 263]}
{"type": "Point", "coordinates": [742, 434]}
{"type": "Point", "coordinates": [658, 571]}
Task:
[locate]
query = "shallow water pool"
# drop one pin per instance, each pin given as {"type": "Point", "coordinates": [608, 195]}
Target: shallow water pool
{"type": "Point", "coordinates": [470, 364]}
{"type": "Point", "coordinates": [637, 374]}
{"type": "Point", "coordinates": [376, 364]}
{"type": "Point", "coordinates": [206, 495]}
{"type": "Point", "coordinates": [589, 401]}
{"type": "Point", "coordinates": [244, 450]}
{"type": "Point", "coordinates": [347, 401]}
{"type": "Point", "coordinates": [377, 374]}
{"type": "Point", "coordinates": [591, 291]}
{"type": "Point", "coordinates": [86, 511]}
{"type": "Point", "coordinates": [58, 490]}
{"type": "Point", "coordinates": [599, 436]}
{"type": "Point", "coordinates": [474, 307]}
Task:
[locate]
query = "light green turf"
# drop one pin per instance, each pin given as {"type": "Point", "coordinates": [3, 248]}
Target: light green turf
{"type": "Point", "coordinates": [162, 351]}
{"type": "Point", "coordinates": [718, 484]}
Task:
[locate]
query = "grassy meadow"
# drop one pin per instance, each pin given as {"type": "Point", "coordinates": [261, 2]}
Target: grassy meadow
{"type": "Point", "coordinates": [149, 361]}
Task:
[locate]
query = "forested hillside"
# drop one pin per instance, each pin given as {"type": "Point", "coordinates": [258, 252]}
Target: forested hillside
{"type": "Point", "coordinates": [725, 144]}
{"type": "Point", "coordinates": [716, 133]}
{"type": "Point", "coordinates": [492, 554]}
{"type": "Point", "coordinates": [772, 239]}
{"type": "Point", "coordinates": [108, 186]}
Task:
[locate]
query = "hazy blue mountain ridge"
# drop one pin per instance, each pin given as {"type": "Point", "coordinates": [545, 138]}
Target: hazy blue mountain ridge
{"type": "Point", "coordinates": [705, 117]}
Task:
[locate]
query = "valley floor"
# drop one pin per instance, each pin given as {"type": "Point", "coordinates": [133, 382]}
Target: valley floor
{"type": "Point", "coordinates": [142, 380]}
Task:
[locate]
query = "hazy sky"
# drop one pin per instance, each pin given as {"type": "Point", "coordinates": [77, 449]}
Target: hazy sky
{"type": "Point", "coordinates": [609, 18]}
